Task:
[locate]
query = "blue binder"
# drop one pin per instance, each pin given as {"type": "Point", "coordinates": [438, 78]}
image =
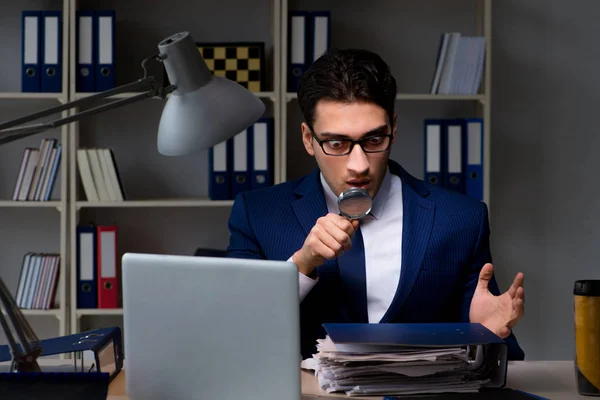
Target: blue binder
{"type": "Point", "coordinates": [106, 344]}
{"type": "Point", "coordinates": [434, 151]}
{"type": "Point", "coordinates": [454, 145]}
{"type": "Point", "coordinates": [105, 47]}
{"type": "Point", "coordinates": [87, 270]}
{"type": "Point", "coordinates": [298, 47]}
{"type": "Point", "coordinates": [474, 158]}
{"type": "Point", "coordinates": [493, 366]}
{"type": "Point", "coordinates": [263, 151]}
{"type": "Point", "coordinates": [51, 76]}
{"type": "Point", "coordinates": [31, 51]}
{"type": "Point", "coordinates": [240, 179]}
{"type": "Point", "coordinates": [86, 52]}
{"type": "Point", "coordinates": [219, 161]}
{"type": "Point", "coordinates": [103, 342]}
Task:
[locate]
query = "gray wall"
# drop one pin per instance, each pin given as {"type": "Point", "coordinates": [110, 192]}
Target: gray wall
{"type": "Point", "coordinates": [543, 95]}
{"type": "Point", "coordinates": [544, 219]}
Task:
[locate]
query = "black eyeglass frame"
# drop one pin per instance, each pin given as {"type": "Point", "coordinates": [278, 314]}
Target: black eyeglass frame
{"type": "Point", "coordinates": [352, 143]}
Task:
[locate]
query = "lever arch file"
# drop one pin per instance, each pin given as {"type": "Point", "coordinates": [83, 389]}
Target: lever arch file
{"type": "Point", "coordinates": [393, 359]}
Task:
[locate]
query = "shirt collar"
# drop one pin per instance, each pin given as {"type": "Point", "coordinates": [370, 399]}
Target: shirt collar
{"type": "Point", "coordinates": [379, 201]}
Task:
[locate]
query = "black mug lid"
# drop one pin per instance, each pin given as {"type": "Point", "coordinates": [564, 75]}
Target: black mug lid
{"type": "Point", "coordinates": [587, 287]}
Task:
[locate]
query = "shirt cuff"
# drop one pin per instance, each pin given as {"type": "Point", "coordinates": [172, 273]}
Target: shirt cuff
{"type": "Point", "coordinates": [305, 283]}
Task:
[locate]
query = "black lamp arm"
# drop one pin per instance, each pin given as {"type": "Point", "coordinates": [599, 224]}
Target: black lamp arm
{"type": "Point", "coordinates": [145, 87]}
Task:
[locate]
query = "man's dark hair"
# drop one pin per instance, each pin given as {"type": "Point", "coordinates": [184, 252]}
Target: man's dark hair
{"type": "Point", "coordinates": [348, 75]}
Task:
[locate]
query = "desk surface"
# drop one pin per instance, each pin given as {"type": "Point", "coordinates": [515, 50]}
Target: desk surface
{"type": "Point", "coordinates": [550, 379]}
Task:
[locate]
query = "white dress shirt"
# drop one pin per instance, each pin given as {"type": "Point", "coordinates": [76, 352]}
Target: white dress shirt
{"type": "Point", "coordinates": [382, 237]}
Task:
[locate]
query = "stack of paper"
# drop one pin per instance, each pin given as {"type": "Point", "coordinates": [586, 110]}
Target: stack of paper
{"type": "Point", "coordinates": [403, 359]}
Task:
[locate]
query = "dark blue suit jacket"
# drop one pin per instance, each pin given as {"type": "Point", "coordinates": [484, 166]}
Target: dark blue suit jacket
{"type": "Point", "coordinates": [445, 242]}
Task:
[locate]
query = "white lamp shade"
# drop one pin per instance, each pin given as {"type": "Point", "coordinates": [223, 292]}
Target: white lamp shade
{"type": "Point", "coordinates": [204, 110]}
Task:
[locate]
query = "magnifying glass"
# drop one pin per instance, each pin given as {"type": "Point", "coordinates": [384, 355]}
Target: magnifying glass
{"type": "Point", "coordinates": [354, 203]}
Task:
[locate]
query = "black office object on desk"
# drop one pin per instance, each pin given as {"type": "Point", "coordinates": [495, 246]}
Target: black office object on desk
{"type": "Point", "coordinates": [54, 386]}
{"type": "Point", "coordinates": [499, 394]}
{"type": "Point", "coordinates": [209, 252]}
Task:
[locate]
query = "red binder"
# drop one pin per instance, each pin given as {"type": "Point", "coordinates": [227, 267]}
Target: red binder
{"type": "Point", "coordinates": [108, 281]}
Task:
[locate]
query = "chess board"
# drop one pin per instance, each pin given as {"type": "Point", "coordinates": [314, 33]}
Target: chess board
{"type": "Point", "coordinates": [243, 63]}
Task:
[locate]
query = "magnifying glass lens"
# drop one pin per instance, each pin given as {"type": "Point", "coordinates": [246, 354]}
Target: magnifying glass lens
{"type": "Point", "coordinates": [354, 203]}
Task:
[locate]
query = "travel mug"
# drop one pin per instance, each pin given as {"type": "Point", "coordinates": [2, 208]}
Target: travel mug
{"type": "Point", "coordinates": [586, 308]}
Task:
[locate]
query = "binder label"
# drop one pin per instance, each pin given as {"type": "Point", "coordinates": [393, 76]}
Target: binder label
{"type": "Point", "coordinates": [260, 147]}
{"type": "Point", "coordinates": [51, 40]}
{"type": "Point", "coordinates": [434, 135]}
{"type": "Point", "coordinates": [454, 149]}
{"type": "Point", "coordinates": [85, 40]}
{"type": "Point", "coordinates": [105, 52]}
{"type": "Point", "coordinates": [31, 40]}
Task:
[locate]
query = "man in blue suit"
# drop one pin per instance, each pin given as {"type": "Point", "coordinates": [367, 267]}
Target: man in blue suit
{"type": "Point", "coordinates": [423, 252]}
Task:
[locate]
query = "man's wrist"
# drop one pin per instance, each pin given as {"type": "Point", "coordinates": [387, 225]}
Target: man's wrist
{"type": "Point", "coordinates": [302, 267]}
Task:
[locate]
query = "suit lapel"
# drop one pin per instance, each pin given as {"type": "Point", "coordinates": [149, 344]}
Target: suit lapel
{"type": "Point", "coordinates": [310, 203]}
{"type": "Point", "coordinates": [418, 215]}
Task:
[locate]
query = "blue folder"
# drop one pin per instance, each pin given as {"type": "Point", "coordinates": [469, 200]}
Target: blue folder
{"type": "Point", "coordinates": [51, 62]}
{"type": "Point", "coordinates": [105, 343]}
{"type": "Point", "coordinates": [413, 334]}
{"type": "Point", "coordinates": [104, 25]}
{"type": "Point", "coordinates": [94, 340]}
{"type": "Point", "coordinates": [86, 51]}
{"type": "Point", "coordinates": [87, 269]}
{"type": "Point", "coordinates": [474, 158]}
{"type": "Point", "coordinates": [31, 50]}
{"type": "Point", "coordinates": [298, 47]}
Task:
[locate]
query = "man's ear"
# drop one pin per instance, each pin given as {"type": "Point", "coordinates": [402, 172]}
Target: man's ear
{"type": "Point", "coordinates": [307, 139]}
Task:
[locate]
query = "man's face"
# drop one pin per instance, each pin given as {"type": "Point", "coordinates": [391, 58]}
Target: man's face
{"type": "Point", "coordinates": [336, 120]}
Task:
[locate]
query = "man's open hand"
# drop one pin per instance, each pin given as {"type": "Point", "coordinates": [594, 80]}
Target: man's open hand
{"type": "Point", "coordinates": [497, 313]}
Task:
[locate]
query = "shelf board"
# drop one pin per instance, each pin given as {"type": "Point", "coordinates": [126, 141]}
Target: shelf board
{"type": "Point", "coordinates": [155, 203]}
{"type": "Point", "coordinates": [31, 96]}
{"type": "Point", "coordinates": [99, 311]}
{"type": "Point", "coordinates": [423, 96]}
{"type": "Point", "coordinates": [81, 95]}
{"type": "Point", "coordinates": [52, 312]}
{"type": "Point", "coordinates": [29, 203]}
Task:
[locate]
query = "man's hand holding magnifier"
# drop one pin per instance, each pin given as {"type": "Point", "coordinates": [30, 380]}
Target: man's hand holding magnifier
{"type": "Point", "coordinates": [332, 234]}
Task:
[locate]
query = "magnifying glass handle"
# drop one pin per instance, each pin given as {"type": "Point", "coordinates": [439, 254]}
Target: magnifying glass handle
{"type": "Point", "coordinates": [347, 217]}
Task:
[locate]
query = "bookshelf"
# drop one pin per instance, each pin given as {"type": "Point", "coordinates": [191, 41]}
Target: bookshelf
{"type": "Point", "coordinates": [171, 190]}
{"type": "Point", "coordinates": [38, 226]}
{"type": "Point", "coordinates": [167, 208]}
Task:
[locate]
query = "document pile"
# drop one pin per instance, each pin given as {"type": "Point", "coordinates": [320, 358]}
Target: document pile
{"type": "Point", "coordinates": [406, 359]}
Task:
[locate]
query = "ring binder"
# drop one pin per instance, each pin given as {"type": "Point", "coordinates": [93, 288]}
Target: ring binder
{"type": "Point", "coordinates": [27, 380]}
{"type": "Point", "coordinates": [105, 344]}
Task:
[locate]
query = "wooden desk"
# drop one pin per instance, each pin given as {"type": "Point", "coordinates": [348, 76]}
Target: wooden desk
{"type": "Point", "coordinates": [554, 380]}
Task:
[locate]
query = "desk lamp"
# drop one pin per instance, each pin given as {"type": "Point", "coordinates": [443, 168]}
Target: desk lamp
{"type": "Point", "coordinates": [202, 110]}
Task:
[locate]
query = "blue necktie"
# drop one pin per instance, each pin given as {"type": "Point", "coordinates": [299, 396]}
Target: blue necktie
{"type": "Point", "coordinates": [353, 278]}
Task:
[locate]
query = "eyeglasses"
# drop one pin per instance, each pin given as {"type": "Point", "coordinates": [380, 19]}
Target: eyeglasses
{"type": "Point", "coordinates": [341, 147]}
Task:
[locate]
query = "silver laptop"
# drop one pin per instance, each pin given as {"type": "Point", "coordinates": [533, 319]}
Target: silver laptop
{"type": "Point", "coordinates": [210, 328]}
